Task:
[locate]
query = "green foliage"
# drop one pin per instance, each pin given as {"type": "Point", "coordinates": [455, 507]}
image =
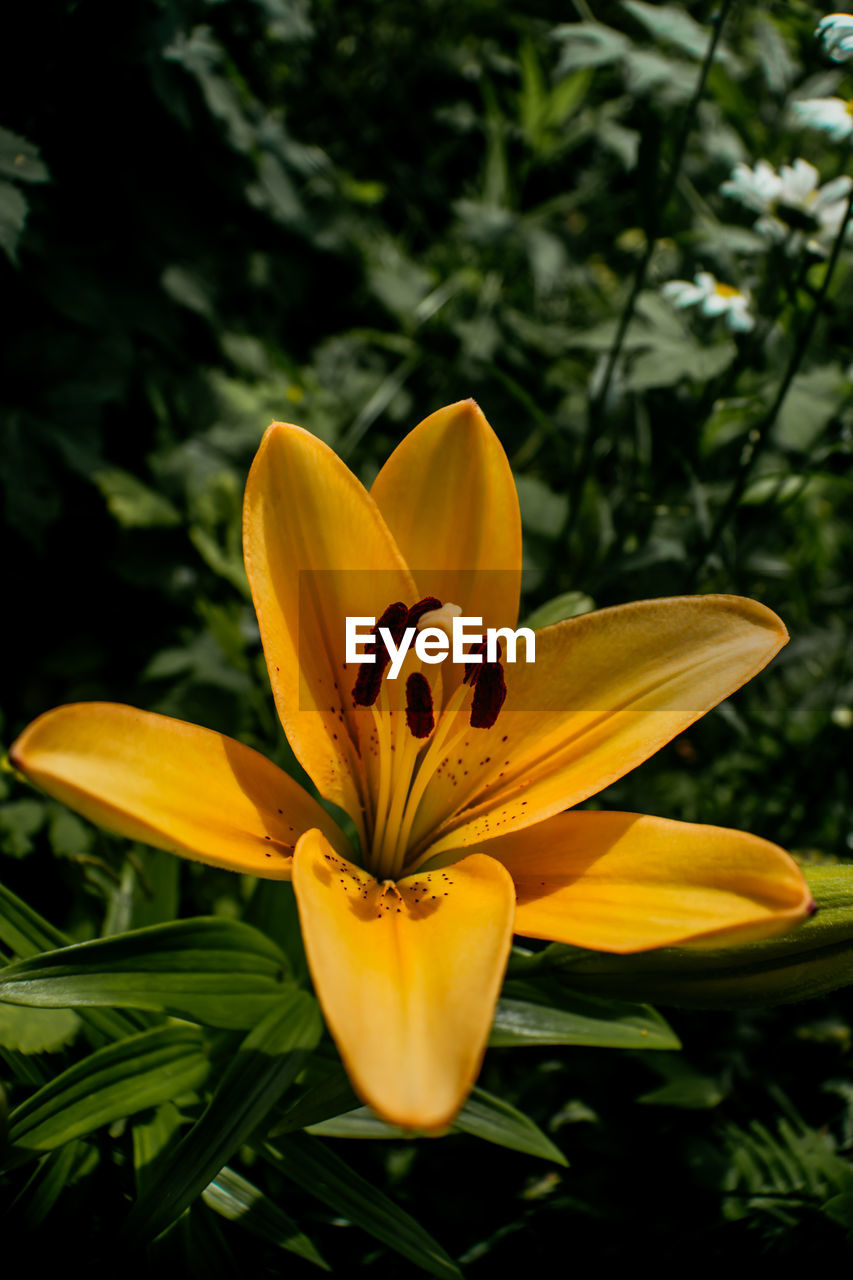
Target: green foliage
{"type": "Point", "coordinates": [346, 216]}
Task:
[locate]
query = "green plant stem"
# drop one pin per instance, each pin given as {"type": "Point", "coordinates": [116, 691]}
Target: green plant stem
{"type": "Point", "coordinates": [598, 399]}
{"type": "Point", "coordinates": [760, 435]}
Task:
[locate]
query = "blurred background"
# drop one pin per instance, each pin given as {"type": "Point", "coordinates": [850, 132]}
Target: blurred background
{"type": "Point", "coordinates": [213, 214]}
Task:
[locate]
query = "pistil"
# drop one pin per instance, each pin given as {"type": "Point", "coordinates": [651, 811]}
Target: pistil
{"type": "Point", "coordinates": [412, 744]}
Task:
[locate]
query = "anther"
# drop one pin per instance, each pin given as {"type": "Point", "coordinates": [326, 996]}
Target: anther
{"type": "Point", "coordinates": [473, 669]}
{"type": "Point", "coordinates": [489, 695]}
{"type": "Point", "coordinates": [417, 611]}
{"type": "Point", "coordinates": [419, 713]}
{"type": "Point", "coordinates": [369, 679]}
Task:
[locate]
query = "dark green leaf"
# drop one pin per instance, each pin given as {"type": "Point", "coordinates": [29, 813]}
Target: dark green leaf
{"type": "Point", "coordinates": [265, 1066]}
{"type": "Point", "coordinates": [240, 1201]}
{"type": "Point", "coordinates": [36, 1030]}
{"type": "Point", "coordinates": [116, 1081]}
{"type": "Point", "coordinates": [582, 1020]}
{"type": "Point", "coordinates": [217, 971]}
{"type": "Point", "coordinates": [485, 1116]}
{"type": "Point", "coordinates": [317, 1170]}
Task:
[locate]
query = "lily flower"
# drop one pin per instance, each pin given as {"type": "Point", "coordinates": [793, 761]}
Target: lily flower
{"type": "Point", "coordinates": [461, 782]}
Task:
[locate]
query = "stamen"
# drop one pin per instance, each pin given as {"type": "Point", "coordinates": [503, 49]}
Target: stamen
{"type": "Point", "coordinates": [417, 611]}
{"type": "Point", "coordinates": [369, 679]}
{"type": "Point", "coordinates": [473, 669]}
{"type": "Point", "coordinates": [419, 713]}
{"type": "Point", "coordinates": [489, 695]}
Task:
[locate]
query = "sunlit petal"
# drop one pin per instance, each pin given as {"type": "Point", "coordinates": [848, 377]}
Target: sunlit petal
{"type": "Point", "coordinates": [448, 496]}
{"type": "Point", "coordinates": [317, 551]}
{"type": "Point", "coordinates": [172, 785]}
{"type": "Point", "coordinates": [606, 691]}
{"type": "Point", "coordinates": [624, 882]}
{"type": "Point", "coordinates": [407, 975]}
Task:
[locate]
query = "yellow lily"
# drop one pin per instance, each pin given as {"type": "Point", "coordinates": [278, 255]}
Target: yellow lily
{"type": "Point", "coordinates": [459, 798]}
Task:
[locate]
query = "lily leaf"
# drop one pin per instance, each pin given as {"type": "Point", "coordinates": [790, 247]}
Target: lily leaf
{"type": "Point", "coordinates": [317, 1170]}
{"type": "Point", "coordinates": [266, 1064]}
{"type": "Point", "coordinates": [36, 1030]}
{"type": "Point", "coordinates": [239, 1200]}
{"type": "Point", "coordinates": [579, 1019]}
{"type": "Point", "coordinates": [26, 933]}
{"type": "Point", "coordinates": [220, 972]}
{"type": "Point", "coordinates": [493, 1119]}
{"type": "Point", "coordinates": [116, 1081]}
{"type": "Point", "coordinates": [483, 1116]}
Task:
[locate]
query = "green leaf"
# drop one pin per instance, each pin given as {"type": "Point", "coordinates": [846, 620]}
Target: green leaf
{"type": "Point", "coordinates": [36, 1030]}
{"type": "Point", "coordinates": [320, 1102]}
{"type": "Point", "coordinates": [494, 1120]}
{"type": "Point", "coordinates": [482, 1116]}
{"type": "Point", "coordinates": [589, 44]}
{"type": "Point", "coordinates": [307, 1162]}
{"type": "Point", "coordinates": [669, 361]}
{"type": "Point", "coordinates": [697, 1093]}
{"type": "Point", "coordinates": [47, 1182]}
{"type": "Point", "coordinates": [569, 605]}
{"type": "Point", "coordinates": [217, 971]}
{"type": "Point", "coordinates": [24, 932]}
{"type": "Point", "coordinates": [266, 1064]}
{"type": "Point", "coordinates": [19, 822]}
{"type": "Point", "coordinates": [13, 216]}
{"type": "Point", "coordinates": [542, 510]}
{"type": "Point", "coordinates": [240, 1201]}
{"type": "Point", "coordinates": [132, 503]}
{"type": "Point", "coordinates": [116, 1081]}
{"type": "Point", "coordinates": [581, 1020]}
{"type": "Point", "coordinates": [19, 159]}
{"type": "Point", "coordinates": [668, 23]}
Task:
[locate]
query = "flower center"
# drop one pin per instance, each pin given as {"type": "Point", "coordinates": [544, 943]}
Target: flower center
{"type": "Point", "coordinates": [417, 723]}
{"type": "Point", "coordinates": [726, 290]}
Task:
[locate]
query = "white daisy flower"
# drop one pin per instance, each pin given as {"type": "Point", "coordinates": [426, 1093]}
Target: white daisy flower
{"type": "Point", "coordinates": [713, 297]}
{"type": "Point", "coordinates": [756, 188]}
{"type": "Point", "coordinates": [794, 207]}
{"type": "Point", "coordinates": [834, 115]}
{"type": "Point", "coordinates": [836, 31]}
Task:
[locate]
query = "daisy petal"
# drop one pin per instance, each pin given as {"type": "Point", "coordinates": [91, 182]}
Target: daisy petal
{"type": "Point", "coordinates": [449, 498]}
{"type": "Point", "coordinates": [605, 692]}
{"type": "Point", "coordinates": [407, 975]}
{"type": "Point", "coordinates": [624, 882]}
{"type": "Point", "coordinates": [171, 784]}
{"type": "Point", "coordinates": [317, 551]}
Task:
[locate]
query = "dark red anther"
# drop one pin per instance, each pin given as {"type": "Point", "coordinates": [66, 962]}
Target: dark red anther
{"type": "Point", "coordinates": [473, 669]}
{"type": "Point", "coordinates": [418, 610]}
{"type": "Point", "coordinates": [419, 714]}
{"type": "Point", "coordinates": [394, 619]}
{"type": "Point", "coordinates": [368, 682]}
{"type": "Point", "coordinates": [489, 695]}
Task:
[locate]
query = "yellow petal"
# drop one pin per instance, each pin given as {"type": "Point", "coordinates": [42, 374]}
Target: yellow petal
{"type": "Point", "coordinates": [448, 497]}
{"type": "Point", "coordinates": [407, 974]}
{"type": "Point", "coordinates": [624, 882]}
{"type": "Point", "coordinates": [317, 551]}
{"type": "Point", "coordinates": [606, 691]}
{"type": "Point", "coordinates": [171, 784]}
